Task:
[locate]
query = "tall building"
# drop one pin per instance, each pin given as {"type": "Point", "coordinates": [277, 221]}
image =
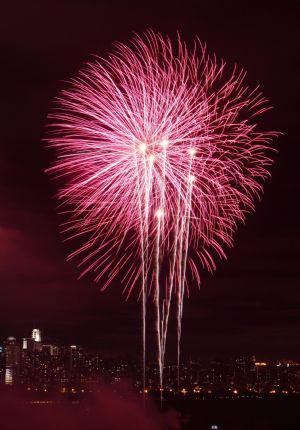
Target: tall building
{"type": "Point", "coordinates": [75, 364]}
{"type": "Point", "coordinates": [37, 335]}
{"type": "Point", "coordinates": [33, 343]}
{"type": "Point", "coordinates": [12, 363]}
{"type": "Point", "coordinates": [29, 344]}
{"type": "Point", "coordinates": [75, 355]}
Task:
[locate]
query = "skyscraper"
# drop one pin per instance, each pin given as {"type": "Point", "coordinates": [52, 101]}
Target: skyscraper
{"type": "Point", "coordinates": [29, 344]}
{"type": "Point", "coordinates": [33, 343]}
{"type": "Point", "coordinates": [37, 335]}
{"type": "Point", "coordinates": [12, 365]}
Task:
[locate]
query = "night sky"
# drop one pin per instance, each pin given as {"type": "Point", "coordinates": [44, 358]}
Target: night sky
{"type": "Point", "coordinates": [252, 303]}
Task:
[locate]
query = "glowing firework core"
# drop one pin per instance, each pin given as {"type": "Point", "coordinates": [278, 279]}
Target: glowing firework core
{"type": "Point", "coordinates": [161, 162]}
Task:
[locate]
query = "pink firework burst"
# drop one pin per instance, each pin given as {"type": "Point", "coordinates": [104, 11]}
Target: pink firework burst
{"type": "Point", "coordinates": [162, 158]}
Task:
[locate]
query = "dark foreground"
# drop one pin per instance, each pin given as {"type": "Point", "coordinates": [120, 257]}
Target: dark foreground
{"type": "Point", "coordinates": [240, 414]}
{"type": "Point", "coordinates": [105, 409]}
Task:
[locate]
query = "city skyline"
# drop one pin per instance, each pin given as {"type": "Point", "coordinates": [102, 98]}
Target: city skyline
{"type": "Point", "coordinates": [43, 367]}
{"type": "Point", "coordinates": [37, 340]}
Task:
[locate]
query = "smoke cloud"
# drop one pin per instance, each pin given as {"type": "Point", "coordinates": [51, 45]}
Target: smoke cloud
{"type": "Point", "coordinates": [104, 409]}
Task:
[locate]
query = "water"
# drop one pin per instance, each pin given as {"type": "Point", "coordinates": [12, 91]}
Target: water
{"type": "Point", "coordinates": [240, 414]}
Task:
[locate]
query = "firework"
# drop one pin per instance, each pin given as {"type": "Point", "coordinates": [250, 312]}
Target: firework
{"type": "Point", "coordinates": [161, 159]}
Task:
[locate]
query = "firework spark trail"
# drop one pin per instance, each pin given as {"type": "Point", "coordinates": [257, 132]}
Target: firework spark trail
{"type": "Point", "coordinates": [143, 239]}
{"type": "Point", "coordinates": [161, 159]}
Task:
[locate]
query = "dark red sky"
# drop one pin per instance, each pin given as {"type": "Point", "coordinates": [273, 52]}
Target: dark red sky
{"type": "Point", "coordinates": [252, 303]}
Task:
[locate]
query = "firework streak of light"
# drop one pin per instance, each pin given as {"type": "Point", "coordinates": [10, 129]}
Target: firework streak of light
{"type": "Point", "coordinates": [161, 158]}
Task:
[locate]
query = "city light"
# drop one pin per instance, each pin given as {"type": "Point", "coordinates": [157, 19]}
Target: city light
{"type": "Point", "coordinates": [70, 370]}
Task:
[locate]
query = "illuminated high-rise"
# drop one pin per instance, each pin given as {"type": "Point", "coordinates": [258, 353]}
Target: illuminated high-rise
{"type": "Point", "coordinates": [37, 335]}
{"type": "Point", "coordinates": [29, 344]}
{"type": "Point", "coordinates": [12, 362]}
{"type": "Point", "coordinates": [33, 343]}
